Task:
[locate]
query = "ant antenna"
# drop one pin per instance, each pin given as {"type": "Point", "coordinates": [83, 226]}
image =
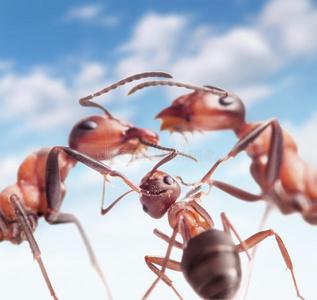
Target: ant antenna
{"type": "Point", "coordinates": [85, 101]}
{"type": "Point", "coordinates": [149, 144]}
{"type": "Point", "coordinates": [206, 88]}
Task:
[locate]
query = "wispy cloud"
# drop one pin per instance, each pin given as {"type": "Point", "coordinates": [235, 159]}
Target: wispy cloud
{"type": "Point", "coordinates": [6, 65]}
{"type": "Point", "coordinates": [91, 14]}
{"type": "Point", "coordinates": [240, 57]}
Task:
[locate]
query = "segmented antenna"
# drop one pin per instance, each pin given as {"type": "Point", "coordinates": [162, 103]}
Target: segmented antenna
{"type": "Point", "coordinates": [159, 147]}
{"type": "Point", "coordinates": [207, 88]}
{"type": "Point", "coordinates": [85, 101]}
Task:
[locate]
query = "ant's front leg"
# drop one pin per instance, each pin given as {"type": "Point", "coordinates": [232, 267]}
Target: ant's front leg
{"type": "Point", "coordinates": [275, 154]}
{"type": "Point", "coordinates": [55, 198]}
{"type": "Point", "coordinates": [273, 165]}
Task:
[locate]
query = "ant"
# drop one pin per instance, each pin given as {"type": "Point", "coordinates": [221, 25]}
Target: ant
{"type": "Point", "coordinates": [40, 187]}
{"type": "Point", "coordinates": [284, 178]}
{"type": "Point", "coordinates": [210, 261]}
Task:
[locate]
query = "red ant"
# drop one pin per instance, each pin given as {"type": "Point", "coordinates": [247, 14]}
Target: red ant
{"type": "Point", "coordinates": [210, 261]}
{"type": "Point", "coordinates": [40, 187]}
{"type": "Point", "coordinates": [285, 179]}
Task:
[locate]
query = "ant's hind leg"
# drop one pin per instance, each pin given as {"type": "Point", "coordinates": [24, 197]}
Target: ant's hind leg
{"type": "Point", "coordinates": [25, 225]}
{"type": "Point", "coordinates": [258, 238]}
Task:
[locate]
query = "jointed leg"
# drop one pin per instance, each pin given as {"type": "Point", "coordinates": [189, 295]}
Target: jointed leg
{"type": "Point", "coordinates": [107, 209]}
{"type": "Point", "coordinates": [171, 264]}
{"type": "Point", "coordinates": [274, 156]}
{"type": "Point", "coordinates": [53, 181]}
{"type": "Point", "coordinates": [167, 239]}
{"type": "Point", "coordinates": [24, 222]}
{"type": "Point", "coordinates": [165, 261]}
{"type": "Point", "coordinates": [227, 225]}
{"type": "Point", "coordinates": [259, 237]}
{"type": "Point", "coordinates": [248, 275]}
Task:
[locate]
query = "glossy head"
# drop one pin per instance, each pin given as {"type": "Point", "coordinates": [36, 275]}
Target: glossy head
{"type": "Point", "coordinates": [203, 111]}
{"type": "Point", "coordinates": [103, 137]}
{"type": "Point", "coordinates": [158, 192]}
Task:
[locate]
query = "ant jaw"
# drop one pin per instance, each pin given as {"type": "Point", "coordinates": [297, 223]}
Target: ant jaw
{"type": "Point", "coordinates": [142, 134]}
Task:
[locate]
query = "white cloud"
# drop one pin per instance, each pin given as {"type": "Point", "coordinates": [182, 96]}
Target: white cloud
{"type": "Point", "coordinates": [31, 93]}
{"type": "Point", "coordinates": [291, 25]}
{"type": "Point", "coordinates": [236, 59]}
{"type": "Point", "coordinates": [91, 14]}
{"type": "Point", "coordinates": [6, 65]}
{"type": "Point", "coordinates": [154, 43]}
{"type": "Point", "coordinates": [239, 59]}
{"type": "Point", "coordinates": [155, 32]}
{"type": "Point", "coordinates": [8, 174]}
{"type": "Point", "coordinates": [254, 93]}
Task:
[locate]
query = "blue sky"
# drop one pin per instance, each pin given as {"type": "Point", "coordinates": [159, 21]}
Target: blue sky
{"type": "Point", "coordinates": [54, 53]}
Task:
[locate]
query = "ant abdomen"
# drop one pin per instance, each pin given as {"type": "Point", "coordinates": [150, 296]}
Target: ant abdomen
{"type": "Point", "coordinates": [211, 265]}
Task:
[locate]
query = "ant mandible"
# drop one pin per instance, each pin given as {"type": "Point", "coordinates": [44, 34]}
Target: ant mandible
{"type": "Point", "coordinates": [40, 187]}
{"type": "Point", "coordinates": [285, 179]}
{"type": "Point", "coordinates": [202, 244]}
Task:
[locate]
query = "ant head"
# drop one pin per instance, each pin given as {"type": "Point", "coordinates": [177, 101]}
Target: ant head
{"type": "Point", "coordinates": [158, 192]}
{"type": "Point", "coordinates": [208, 108]}
{"type": "Point", "coordinates": [103, 137]}
{"type": "Point", "coordinates": [203, 111]}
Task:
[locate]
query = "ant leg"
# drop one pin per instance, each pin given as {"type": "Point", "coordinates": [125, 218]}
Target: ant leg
{"type": "Point", "coordinates": [165, 259]}
{"type": "Point", "coordinates": [167, 239]}
{"type": "Point", "coordinates": [259, 237]}
{"type": "Point", "coordinates": [4, 226]}
{"type": "Point", "coordinates": [25, 225]}
{"type": "Point", "coordinates": [63, 218]}
{"type": "Point", "coordinates": [274, 156]}
{"type": "Point", "coordinates": [248, 275]}
{"type": "Point", "coordinates": [236, 192]}
{"type": "Point", "coordinates": [273, 164]}
{"type": "Point", "coordinates": [227, 226]}
{"type": "Point", "coordinates": [53, 180]}
{"type": "Point", "coordinates": [171, 264]}
{"type": "Point", "coordinates": [228, 188]}
{"type": "Point", "coordinates": [107, 209]}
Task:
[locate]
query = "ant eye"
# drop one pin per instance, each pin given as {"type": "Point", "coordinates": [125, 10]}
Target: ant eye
{"type": "Point", "coordinates": [87, 125]}
{"type": "Point", "coordinates": [145, 208]}
{"type": "Point", "coordinates": [168, 180]}
{"type": "Point", "coordinates": [226, 100]}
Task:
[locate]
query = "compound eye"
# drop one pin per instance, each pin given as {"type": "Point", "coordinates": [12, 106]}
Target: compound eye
{"type": "Point", "coordinates": [88, 125]}
{"type": "Point", "coordinates": [225, 101]}
{"type": "Point", "coordinates": [145, 209]}
{"type": "Point", "coordinates": [168, 180]}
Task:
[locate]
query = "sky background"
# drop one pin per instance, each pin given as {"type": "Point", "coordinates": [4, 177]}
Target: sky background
{"type": "Point", "coordinates": [53, 53]}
